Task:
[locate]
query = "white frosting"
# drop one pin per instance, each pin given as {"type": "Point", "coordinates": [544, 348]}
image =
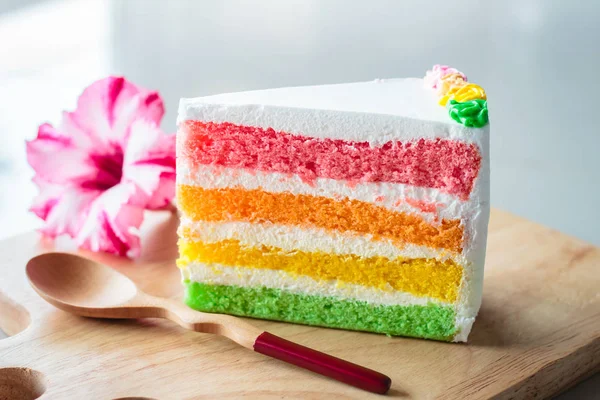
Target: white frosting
{"type": "Point", "coordinates": [375, 112]}
{"type": "Point", "coordinates": [216, 274]}
{"type": "Point", "coordinates": [290, 238]}
{"type": "Point", "coordinates": [476, 230]}
{"type": "Point", "coordinates": [389, 195]}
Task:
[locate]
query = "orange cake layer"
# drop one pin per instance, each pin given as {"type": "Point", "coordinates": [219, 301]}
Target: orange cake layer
{"type": "Point", "coordinates": [236, 204]}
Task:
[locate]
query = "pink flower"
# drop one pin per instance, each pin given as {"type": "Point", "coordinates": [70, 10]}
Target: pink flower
{"type": "Point", "coordinates": [433, 78]}
{"type": "Point", "coordinates": [103, 166]}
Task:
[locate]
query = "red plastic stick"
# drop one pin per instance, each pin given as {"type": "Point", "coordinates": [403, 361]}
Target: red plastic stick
{"type": "Point", "coordinates": [321, 363]}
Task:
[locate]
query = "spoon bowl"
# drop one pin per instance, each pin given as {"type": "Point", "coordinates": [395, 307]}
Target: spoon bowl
{"type": "Point", "coordinates": [88, 288]}
{"type": "Point", "coordinates": [70, 282]}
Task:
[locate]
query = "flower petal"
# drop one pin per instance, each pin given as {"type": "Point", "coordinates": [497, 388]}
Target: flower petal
{"type": "Point", "coordinates": [80, 136]}
{"type": "Point", "coordinates": [112, 222]}
{"type": "Point", "coordinates": [56, 159]}
{"type": "Point", "coordinates": [105, 164]}
{"type": "Point", "coordinates": [149, 162]}
{"type": "Point", "coordinates": [107, 108]}
{"type": "Point", "coordinates": [148, 144]}
{"type": "Point", "coordinates": [62, 208]}
{"type": "Point", "coordinates": [164, 193]}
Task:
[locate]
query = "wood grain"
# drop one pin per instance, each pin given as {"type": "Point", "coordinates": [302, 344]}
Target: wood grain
{"type": "Point", "coordinates": [537, 334]}
{"type": "Point", "coordinates": [84, 287]}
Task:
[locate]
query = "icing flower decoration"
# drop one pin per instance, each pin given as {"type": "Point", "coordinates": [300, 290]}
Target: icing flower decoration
{"type": "Point", "coordinates": [472, 114]}
{"type": "Point", "coordinates": [433, 78]}
{"type": "Point", "coordinates": [105, 164]}
{"type": "Point", "coordinates": [466, 102]}
{"type": "Point", "coordinates": [464, 93]}
{"type": "Point", "coordinates": [449, 81]}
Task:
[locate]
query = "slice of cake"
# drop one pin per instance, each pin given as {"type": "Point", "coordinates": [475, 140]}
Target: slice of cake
{"type": "Point", "coordinates": [357, 206]}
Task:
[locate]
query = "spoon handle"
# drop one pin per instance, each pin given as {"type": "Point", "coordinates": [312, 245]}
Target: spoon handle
{"type": "Point", "coordinates": [321, 363]}
{"type": "Point", "coordinates": [274, 346]}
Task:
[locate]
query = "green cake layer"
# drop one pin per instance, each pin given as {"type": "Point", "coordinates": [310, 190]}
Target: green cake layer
{"type": "Point", "coordinates": [431, 321]}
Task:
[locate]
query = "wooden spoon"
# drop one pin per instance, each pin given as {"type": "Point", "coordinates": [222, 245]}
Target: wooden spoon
{"type": "Point", "coordinates": [85, 287]}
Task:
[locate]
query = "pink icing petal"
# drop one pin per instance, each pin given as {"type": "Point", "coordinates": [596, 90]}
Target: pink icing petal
{"type": "Point", "coordinates": [434, 76]}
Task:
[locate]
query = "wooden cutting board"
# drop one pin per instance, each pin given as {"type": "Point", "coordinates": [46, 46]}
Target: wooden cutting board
{"type": "Point", "coordinates": [538, 332]}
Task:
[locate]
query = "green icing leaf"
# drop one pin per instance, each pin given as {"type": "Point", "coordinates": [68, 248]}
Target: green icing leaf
{"type": "Point", "coordinates": [472, 113]}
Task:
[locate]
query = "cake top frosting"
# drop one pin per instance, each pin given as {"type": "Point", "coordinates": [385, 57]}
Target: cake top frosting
{"type": "Point", "coordinates": [420, 99]}
{"type": "Point", "coordinates": [408, 97]}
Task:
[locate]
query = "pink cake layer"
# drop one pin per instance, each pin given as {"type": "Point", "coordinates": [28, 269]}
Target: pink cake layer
{"type": "Point", "coordinates": [445, 164]}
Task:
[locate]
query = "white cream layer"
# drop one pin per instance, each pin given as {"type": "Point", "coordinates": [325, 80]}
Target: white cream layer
{"type": "Point", "coordinates": [217, 274]}
{"type": "Point", "coordinates": [393, 196]}
{"type": "Point", "coordinates": [290, 238]}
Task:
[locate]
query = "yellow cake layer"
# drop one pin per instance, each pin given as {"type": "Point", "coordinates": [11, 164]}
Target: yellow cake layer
{"type": "Point", "coordinates": [238, 204]}
{"type": "Point", "coordinates": [419, 276]}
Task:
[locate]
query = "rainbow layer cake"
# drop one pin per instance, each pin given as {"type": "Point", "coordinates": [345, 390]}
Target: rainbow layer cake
{"type": "Point", "coordinates": [358, 206]}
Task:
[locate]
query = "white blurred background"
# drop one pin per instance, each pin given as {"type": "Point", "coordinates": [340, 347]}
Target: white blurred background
{"type": "Point", "coordinates": [539, 61]}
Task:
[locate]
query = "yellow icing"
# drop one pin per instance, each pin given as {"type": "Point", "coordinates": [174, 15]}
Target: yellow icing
{"type": "Point", "coordinates": [464, 93]}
